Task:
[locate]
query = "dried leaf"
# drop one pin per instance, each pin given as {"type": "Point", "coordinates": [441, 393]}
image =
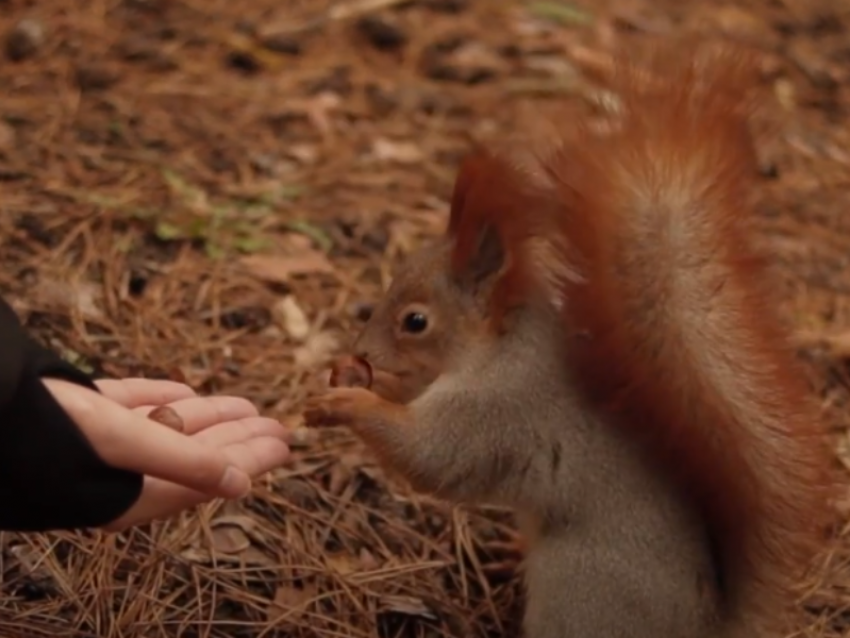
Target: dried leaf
{"type": "Point", "coordinates": [8, 137]}
{"type": "Point", "coordinates": [279, 269]}
{"type": "Point", "coordinates": [292, 318]}
{"type": "Point", "coordinates": [31, 561]}
{"type": "Point", "coordinates": [407, 605]}
{"type": "Point", "coordinates": [391, 151]}
{"type": "Point", "coordinates": [317, 350]}
{"type": "Point", "coordinates": [248, 556]}
{"type": "Point", "coordinates": [343, 563]}
{"type": "Point", "coordinates": [368, 562]}
{"type": "Point", "coordinates": [256, 557]}
{"type": "Point", "coordinates": [304, 153]}
{"type": "Point", "coordinates": [84, 296]}
{"type": "Point", "coordinates": [229, 539]}
{"type": "Point", "coordinates": [340, 477]}
{"type": "Point", "coordinates": [243, 522]}
{"type": "Point", "coordinates": [289, 599]}
{"type": "Point", "coordinates": [319, 109]}
{"type": "Point", "coordinates": [373, 472]}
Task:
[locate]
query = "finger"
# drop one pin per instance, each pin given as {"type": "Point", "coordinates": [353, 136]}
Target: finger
{"type": "Point", "coordinates": [135, 392]}
{"type": "Point", "coordinates": [161, 499]}
{"type": "Point", "coordinates": [224, 434]}
{"type": "Point", "coordinates": [199, 413]}
{"type": "Point", "coordinates": [258, 455]}
{"type": "Point", "coordinates": [127, 440]}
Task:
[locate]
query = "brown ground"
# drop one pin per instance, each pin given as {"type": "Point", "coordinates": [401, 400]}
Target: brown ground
{"type": "Point", "coordinates": [213, 191]}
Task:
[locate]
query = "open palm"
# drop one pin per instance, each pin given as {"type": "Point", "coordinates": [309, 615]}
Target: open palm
{"type": "Point", "coordinates": [224, 445]}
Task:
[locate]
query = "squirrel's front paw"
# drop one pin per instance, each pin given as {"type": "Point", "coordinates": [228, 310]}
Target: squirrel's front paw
{"type": "Point", "coordinates": [338, 406]}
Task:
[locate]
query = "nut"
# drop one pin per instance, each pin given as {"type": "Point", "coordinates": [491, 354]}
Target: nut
{"type": "Point", "coordinates": [351, 372]}
{"type": "Point", "coordinates": [168, 417]}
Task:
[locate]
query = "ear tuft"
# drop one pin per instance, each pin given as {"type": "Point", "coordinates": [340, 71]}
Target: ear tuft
{"type": "Point", "coordinates": [473, 167]}
{"type": "Point", "coordinates": [487, 257]}
{"type": "Point", "coordinates": [500, 206]}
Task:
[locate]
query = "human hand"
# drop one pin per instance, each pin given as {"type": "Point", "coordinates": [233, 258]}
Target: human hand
{"type": "Point", "coordinates": [224, 444]}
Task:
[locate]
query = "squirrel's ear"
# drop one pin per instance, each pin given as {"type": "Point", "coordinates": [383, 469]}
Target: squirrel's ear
{"type": "Point", "coordinates": [489, 255]}
{"type": "Point", "coordinates": [472, 167]}
{"type": "Point", "coordinates": [476, 228]}
{"type": "Point", "coordinates": [486, 258]}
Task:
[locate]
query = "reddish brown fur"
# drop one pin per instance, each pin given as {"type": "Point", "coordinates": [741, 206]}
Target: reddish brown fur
{"type": "Point", "coordinates": [757, 464]}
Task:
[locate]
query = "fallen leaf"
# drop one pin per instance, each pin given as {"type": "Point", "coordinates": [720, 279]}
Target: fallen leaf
{"type": "Point", "coordinates": [8, 136]}
{"type": "Point", "coordinates": [35, 572]}
{"type": "Point", "coordinates": [407, 605]}
{"type": "Point", "coordinates": [304, 153]}
{"type": "Point", "coordinates": [317, 350]}
{"type": "Point", "coordinates": [82, 295]}
{"type": "Point", "coordinates": [319, 109]}
{"type": "Point", "coordinates": [256, 557]}
{"type": "Point", "coordinates": [401, 152]}
{"type": "Point", "coordinates": [339, 477]}
{"type": "Point", "coordinates": [289, 599]}
{"type": "Point", "coordinates": [374, 472]}
{"type": "Point", "coordinates": [229, 539]}
{"type": "Point", "coordinates": [296, 243]}
{"type": "Point", "coordinates": [279, 269]}
{"type": "Point", "coordinates": [292, 318]}
{"type": "Point", "coordinates": [249, 556]}
{"type": "Point", "coordinates": [31, 561]}
{"type": "Point", "coordinates": [245, 523]}
{"type": "Point", "coordinates": [342, 563]}
{"type": "Point", "coordinates": [368, 562]}
{"type": "Point", "coordinates": [476, 54]}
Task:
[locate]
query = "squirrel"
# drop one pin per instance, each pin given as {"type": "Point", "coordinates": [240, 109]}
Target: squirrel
{"type": "Point", "coordinates": [593, 343]}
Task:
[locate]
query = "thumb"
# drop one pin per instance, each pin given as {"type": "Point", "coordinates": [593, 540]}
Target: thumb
{"type": "Point", "coordinates": [127, 440]}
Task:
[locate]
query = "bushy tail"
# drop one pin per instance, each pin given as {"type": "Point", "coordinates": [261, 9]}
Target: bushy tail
{"type": "Point", "coordinates": [684, 343]}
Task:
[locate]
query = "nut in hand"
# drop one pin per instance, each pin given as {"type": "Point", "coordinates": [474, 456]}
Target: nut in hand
{"type": "Point", "coordinates": [168, 417]}
{"type": "Point", "coordinates": [351, 372]}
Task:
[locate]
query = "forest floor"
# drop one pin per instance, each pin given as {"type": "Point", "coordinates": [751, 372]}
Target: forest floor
{"type": "Point", "coordinates": [216, 191]}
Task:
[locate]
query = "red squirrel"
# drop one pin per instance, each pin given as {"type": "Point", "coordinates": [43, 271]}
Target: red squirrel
{"type": "Point", "coordinates": [593, 344]}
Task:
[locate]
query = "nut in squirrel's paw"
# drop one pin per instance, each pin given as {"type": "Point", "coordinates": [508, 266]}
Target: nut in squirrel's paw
{"type": "Point", "coordinates": [338, 406]}
{"type": "Point", "coordinates": [351, 372]}
{"type": "Point", "coordinates": [168, 417]}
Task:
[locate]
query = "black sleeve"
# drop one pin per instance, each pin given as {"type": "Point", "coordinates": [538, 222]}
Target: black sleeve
{"type": "Point", "coordinates": [50, 476]}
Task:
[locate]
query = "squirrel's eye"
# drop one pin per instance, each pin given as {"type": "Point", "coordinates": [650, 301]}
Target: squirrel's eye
{"type": "Point", "coordinates": [414, 322]}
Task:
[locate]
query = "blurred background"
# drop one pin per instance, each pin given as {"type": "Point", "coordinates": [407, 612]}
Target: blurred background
{"type": "Point", "coordinates": [216, 191]}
